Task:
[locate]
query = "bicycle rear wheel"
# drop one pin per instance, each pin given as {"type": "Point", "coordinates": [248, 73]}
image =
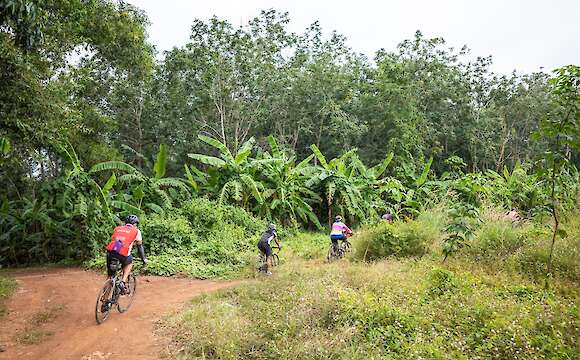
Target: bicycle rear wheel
{"type": "Point", "coordinates": [125, 301]}
{"type": "Point", "coordinates": [347, 246]}
{"type": "Point", "coordinates": [333, 254]}
{"type": "Point", "coordinates": [104, 302]}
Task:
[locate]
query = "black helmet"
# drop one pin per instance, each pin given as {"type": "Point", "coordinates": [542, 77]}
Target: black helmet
{"type": "Point", "coordinates": [338, 218]}
{"type": "Point", "coordinates": [272, 227]}
{"type": "Point", "coordinates": [132, 219]}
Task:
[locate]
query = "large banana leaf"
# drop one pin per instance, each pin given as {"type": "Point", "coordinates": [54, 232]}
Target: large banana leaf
{"type": "Point", "coordinates": [244, 151]}
{"type": "Point", "coordinates": [303, 164]}
{"type": "Point", "coordinates": [224, 151]}
{"type": "Point", "coordinates": [208, 160]}
{"type": "Point", "coordinates": [190, 178]}
{"type": "Point", "coordinates": [115, 166]}
{"type": "Point", "coordinates": [161, 162]}
{"type": "Point", "coordinates": [109, 185]}
{"type": "Point", "coordinates": [378, 170]}
{"type": "Point", "coordinates": [156, 208]}
{"type": "Point", "coordinates": [274, 146]}
{"type": "Point", "coordinates": [421, 180]}
{"type": "Point", "coordinates": [252, 185]}
{"type": "Point", "coordinates": [121, 205]}
{"type": "Point", "coordinates": [319, 156]}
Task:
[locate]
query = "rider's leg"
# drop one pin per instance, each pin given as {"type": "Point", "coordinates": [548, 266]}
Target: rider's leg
{"type": "Point", "coordinates": [334, 244]}
{"type": "Point", "coordinates": [268, 264]}
{"type": "Point", "coordinates": [126, 271]}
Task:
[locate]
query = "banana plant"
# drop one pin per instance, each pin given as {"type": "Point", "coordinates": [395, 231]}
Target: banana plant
{"type": "Point", "coordinates": [228, 177]}
{"type": "Point", "coordinates": [286, 196]}
{"type": "Point", "coordinates": [341, 183]}
{"type": "Point", "coordinates": [139, 192]}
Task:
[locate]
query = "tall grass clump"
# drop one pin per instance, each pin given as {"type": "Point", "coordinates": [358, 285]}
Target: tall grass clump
{"type": "Point", "coordinates": [524, 247]}
{"type": "Point", "coordinates": [400, 239]}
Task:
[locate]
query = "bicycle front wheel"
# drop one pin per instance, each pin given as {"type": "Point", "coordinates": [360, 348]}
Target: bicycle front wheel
{"type": "Point", "coordinates": [104, 302]}
{"type": "Point", "coordinates": [125, 301]}
{"type": "Point", "coordinates": [275, 260]}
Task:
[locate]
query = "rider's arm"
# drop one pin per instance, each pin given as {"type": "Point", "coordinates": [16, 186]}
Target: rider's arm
{"type": "Point", "coordinates": [276, 240]}
{"type": "Point", "coordinates": [347, 229]}
{"type": "Point", "coordinates": [140, 249]}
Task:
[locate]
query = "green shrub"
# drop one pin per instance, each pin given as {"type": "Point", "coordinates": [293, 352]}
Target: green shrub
{"type": "Point", "coordinates": [376, 321]}
{"type": "Point", "coordinates": [400, 239]}
{"type": "Point", "coordinates": [441, 282]}
{"type": "Point", "coordinates": [365, 311]}
{"type": "Point", "coordinates": [532, 260]}
{"type": "Point", "coordinates": [168, 231]}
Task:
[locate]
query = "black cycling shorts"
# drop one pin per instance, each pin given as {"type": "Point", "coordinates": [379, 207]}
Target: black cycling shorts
{"type": "Point", "coordinates": [125, 260]}
{"type": "Point", "coordinates": [265, 248]}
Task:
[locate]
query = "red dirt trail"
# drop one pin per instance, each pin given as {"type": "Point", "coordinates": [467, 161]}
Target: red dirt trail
{"type": "Point", "coordinates": [75, 333]}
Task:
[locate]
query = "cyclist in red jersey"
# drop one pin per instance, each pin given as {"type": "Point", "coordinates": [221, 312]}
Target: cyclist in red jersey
{"type": "Point", "coordinates": [122, 241]}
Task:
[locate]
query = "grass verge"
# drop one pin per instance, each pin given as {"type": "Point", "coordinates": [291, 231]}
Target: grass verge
{"type": "Point", "coordinates": [390, 309]}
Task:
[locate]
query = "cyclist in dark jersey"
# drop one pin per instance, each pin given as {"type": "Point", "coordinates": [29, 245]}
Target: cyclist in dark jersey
{"type": "Point", "coordinates": [265, 248]}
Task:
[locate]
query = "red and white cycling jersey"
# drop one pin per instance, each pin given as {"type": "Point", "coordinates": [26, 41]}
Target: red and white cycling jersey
{"type": "Point", "coordinates": [123, 238]}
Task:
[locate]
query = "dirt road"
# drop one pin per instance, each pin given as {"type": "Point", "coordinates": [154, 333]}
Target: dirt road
{"type": "Point", "coordinates": [53, 310]}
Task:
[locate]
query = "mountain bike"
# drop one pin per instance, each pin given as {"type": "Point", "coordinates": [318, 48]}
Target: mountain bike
{"type": "Point", "coordinates": [261, 260]}
{"type": "Point", "coordinates": [111, 295]}
{"type": "Point", "coordinates": [338, 252]}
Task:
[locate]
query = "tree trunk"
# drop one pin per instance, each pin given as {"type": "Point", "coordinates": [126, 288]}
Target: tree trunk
{"type": "Point", "coordinates": [554, 215]}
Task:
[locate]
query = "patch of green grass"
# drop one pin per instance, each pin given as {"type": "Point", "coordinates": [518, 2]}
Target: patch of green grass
{"type": "Point", "coordinates": [399, 309]}
{"type": "Point", "coordinates": [34, 333]}
{"type": "Point", "coordinates": [45, 316]}
{"type": "Point", "coordinates": [7, 287]}
{"type": "Point", "coordinates": [33, 336]}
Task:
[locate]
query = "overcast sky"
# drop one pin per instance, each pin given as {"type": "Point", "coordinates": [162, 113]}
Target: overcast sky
{"type": "Point", "coordinates": [520, 35]}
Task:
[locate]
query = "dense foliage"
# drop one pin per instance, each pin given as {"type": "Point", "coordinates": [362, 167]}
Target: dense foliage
{"type": "Point", "coordinates": [290, 128]}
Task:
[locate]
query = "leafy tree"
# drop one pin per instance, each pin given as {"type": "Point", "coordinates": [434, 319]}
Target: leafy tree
{"type": "Point", "coordinates": [561, 129]}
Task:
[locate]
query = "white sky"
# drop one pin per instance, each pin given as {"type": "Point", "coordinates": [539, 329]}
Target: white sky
{"type": "Point", "coordinates": [520, 35]}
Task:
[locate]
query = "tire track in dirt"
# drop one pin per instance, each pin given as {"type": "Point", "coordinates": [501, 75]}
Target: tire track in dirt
{"type": "Point", "coordinates": [71, 294]}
